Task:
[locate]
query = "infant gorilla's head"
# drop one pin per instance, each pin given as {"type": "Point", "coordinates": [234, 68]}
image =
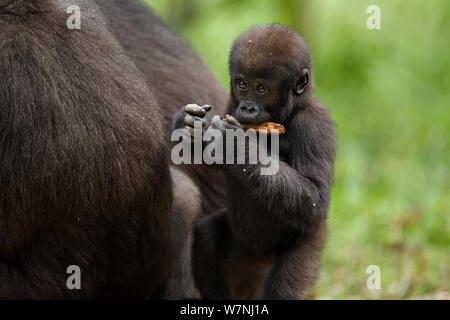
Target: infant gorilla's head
{"type": "Point", "coordinates": [270, 71]}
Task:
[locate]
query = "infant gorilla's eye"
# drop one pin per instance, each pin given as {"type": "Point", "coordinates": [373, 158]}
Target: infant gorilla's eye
{"type": "Point", "coordinates": [261, 89]}
{"type": "Point", "coordinates": [242, 85]}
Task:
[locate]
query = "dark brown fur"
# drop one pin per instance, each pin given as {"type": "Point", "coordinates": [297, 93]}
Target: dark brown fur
{"type": "Point", "coordinates": [176, 75]}
{"type": "Point", "coordinates": [179, 283]}
{"type": "Point", "coordinates": [84, 176]}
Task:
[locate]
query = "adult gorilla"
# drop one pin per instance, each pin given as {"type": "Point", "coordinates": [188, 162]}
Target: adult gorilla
{"type": "Point", "coordinates": [84, 175]}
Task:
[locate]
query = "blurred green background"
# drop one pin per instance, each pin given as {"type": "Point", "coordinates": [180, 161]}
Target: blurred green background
{"type": "Point", "coordinates": [389, 92]}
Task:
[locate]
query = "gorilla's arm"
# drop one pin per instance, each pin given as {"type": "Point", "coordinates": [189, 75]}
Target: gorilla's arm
{"type": "Point", "coordinates": [302, 184]}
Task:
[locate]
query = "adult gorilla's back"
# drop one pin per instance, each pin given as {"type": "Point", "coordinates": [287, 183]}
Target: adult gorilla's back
{"type": "Point", "coordinates": [176, 75]}
{"type": "Point", "coordinates": [84, 177]}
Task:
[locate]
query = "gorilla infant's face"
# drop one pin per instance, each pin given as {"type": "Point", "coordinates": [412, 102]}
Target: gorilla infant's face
{"type": "Point", "coordinates": [256, 99]}
{"type": "Point", "coordinates": [266, 95]}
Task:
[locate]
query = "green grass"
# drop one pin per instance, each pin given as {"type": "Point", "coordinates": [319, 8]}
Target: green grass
{"type": "Point", "coordinates": [389, 92]}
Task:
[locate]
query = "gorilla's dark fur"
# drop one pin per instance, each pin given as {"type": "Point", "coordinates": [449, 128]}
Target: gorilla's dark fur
{"type": "Point", "coordinates": [84, 168]}
{"type": "Point", "coordinates": [176, 75]}
{"type": "Point", "coordinates": [270, 238]}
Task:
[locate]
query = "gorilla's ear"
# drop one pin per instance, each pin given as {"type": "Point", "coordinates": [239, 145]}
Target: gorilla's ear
{"type": "Point", "coordinates": [301, 83]}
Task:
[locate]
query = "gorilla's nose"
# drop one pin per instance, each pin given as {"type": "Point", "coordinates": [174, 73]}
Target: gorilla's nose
{"type": "Point", "coordinates": [248, 111]}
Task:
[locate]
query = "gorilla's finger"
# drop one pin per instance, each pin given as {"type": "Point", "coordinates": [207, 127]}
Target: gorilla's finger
{"type": "Point", "coordinates": [232, 121]}
{"type": "Point", "coordinates": [189, 120]}
{"type": "Point", "coordinates": [229, 126]}
{"type": "Point", "coordinates": [217, 123]}
{"type": "Point", "coordinates": [195, 110]}
{"type": "Point", "coordinates": [207, 107]}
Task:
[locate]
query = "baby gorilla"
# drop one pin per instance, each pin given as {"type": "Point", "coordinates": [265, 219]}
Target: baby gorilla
{"type": "Point", "coordinates": [268, 242]}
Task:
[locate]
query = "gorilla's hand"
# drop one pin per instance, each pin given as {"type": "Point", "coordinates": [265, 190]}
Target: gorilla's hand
{"type": "Point", "coordinates": [188, 115]}
{"type": "Point", "coordinates": [194, 113]}
{"type": "Point", "coordinates": [231, 123]}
